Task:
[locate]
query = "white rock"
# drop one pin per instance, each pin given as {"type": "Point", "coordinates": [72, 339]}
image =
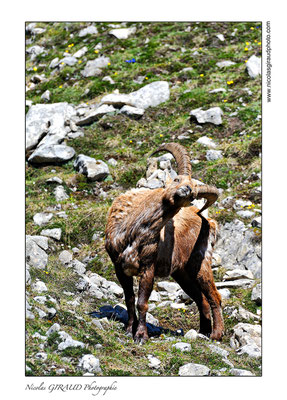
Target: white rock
{"type": "Point", "coordinates": [51, 154]}
{"type": "Point", "coordinates": [90, 30]}
{"type": "Point", "coordinates": [132, 112]}
{"type": "Point", "coordinates": [69, 342]}
{"type": "Point", "coordinates": [192, 369]}
{"type": "Point", "coordinates": [245, 214]}
{"type": "Point", "coordinates": [240, 372]}
{"type": "Point", "coordinates": [39, 287]}
{"type": "Point", "coordinates": [222, 64]}
{"type": "Point", "coordinates": [122, 33]}
{"type": "Point", "coordinates": [206, 141]}
{"type": "Point", "coordinates": [218, 350]}
{"type": "Point", "coordinates": [212, 115]}
{"type": "Point", "coordinates": [90, 363]}
{"type": "Point", "coordinates": [225, 293]}
{"type": "Point", "coordinates": [149, 95]}
{"type": "Point", "coordinates": [41, 356]}
{"type": "Point", "coordinates": [151, 319]}
{"type": "Point", "coordinates": [95, 114]}
{"type": "Point", "coordinates": [65, 257]}
{"type": "Point", "coordinates": [35, 255]}
{"type": "Point", "coordinates": [191, 335]}
{"type": "Point", "coordinates": [60, 193]}
{"type": "Point", "coordinates": [182, 346]}
{"type": "Point", "coordinates": [213, 155]}
{"type": "Point", "coordinates": [155, 296]}
{"type": "Point", "coordinates": [253, 66]}
{"type": "Point", "coordinates": [237, 274]}
{"type": "Point", "coordinates": [54, 328]}
{"type": "Point", "coordinates": [170, 287]}
{"type": "Point", "coordinates": [53, 233]}
{"type": "Point", "coordinates": [220, 37]}
{"type": "Point", "coordinates": [93, 169]}
{"type": "Point", "coordinates": [42, 218]}
{"type": "Point", "coordinates": [238, 283]}
{"type": "Point", "coordinates": [241, 203]}
{"type": "Point", "coordinates": [217, 90]}
{"type": "Point", "coordinates": [153, 361]}
{"type": "Point", "coordinates": [81, 52]}
{"type": "Point", "coordinates": [256, 294]}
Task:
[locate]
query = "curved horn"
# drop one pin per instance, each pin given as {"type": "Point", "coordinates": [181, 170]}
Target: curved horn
{"type": "Point", "coordinates": [210, 193]}
{"type": "Point", "coordinates": [181, 156]}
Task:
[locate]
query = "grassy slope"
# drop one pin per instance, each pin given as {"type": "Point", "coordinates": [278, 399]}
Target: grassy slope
{"type": "Point", "coordinates": [159, 59]}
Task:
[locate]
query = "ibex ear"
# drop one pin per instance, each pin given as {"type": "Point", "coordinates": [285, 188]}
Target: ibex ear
{"type": "Point", "coordinates": [168, 178]}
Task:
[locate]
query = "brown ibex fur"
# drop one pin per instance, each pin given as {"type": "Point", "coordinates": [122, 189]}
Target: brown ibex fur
{"type": "Point", "coordinates": [159, 233]}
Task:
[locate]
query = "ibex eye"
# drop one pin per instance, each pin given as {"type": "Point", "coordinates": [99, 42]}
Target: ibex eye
{"type": "Point", "coordinates": [176, 180]}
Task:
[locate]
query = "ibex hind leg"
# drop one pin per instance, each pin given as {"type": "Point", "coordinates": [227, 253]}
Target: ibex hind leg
{"type": "Point", "coordinates": [127, 285]}
{"type": "Point", "coordinates": [206, 282]}
{"type": "Point", "coordinates": [191, 288]}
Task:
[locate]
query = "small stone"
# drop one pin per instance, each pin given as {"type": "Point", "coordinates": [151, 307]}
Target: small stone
{"type": "Point", "coordinates": [69, 342]}
{"type": "Point", "coordinates": [217, 90]}
{"type": "Point", "coordinates": [238, 283]}
{"type": "Point", "coordinates": [182, 346]}
{"type": "Point", "coordinates": [53, 233]}
{"type": "Point", "coordinates": [80, 53]}
{"type": "Point", "coordinates": [222, 64]}
{"type": "Point", "coordinates": [253, 66]}
{"type": "Point", "coordinates": [191, 335]}
{"type": "Point", "coordinates": [60, 193]}
{"type": "Point", "coordinates": [54, 328]}
{"type": "Point", "coordinates": [39, 287]}
{"type": "Point", "coordinates": [170, 287]}
{"type": "Point", "coordinates": [237, 274]}
{"type": "Point", "coordinates": [108, 79]}
{"type": "Point", "coordinates": [240, 372]}
{"type": "Point", "coordinates": [220, 37]}
{"type": "Point", "coordinates": [153, 361]}
{"type": "Point", "coordinates": [213, 155]}
{"type": "Point", "coordinates": [90, 30]}
{"type": "Point", "coordinates": [69, 60]}
{"type": "Point", "coordinates": [205, 141]}
{"type": "Point", "coordinates": [192, 369]}
{"type": "Point", "coordinates": [212, 115]}
{"type": "Point", "coordinates": [257, 222]}
{"type": "Point", "coordinates": [122, 33]}
{"type": "Point", "coordinates": [112, 162]}
{"type": "Point", "coordinates": [155, 296]}
{"type": "Point", "coordinates": [90, 364]}
{"type": "Point", "coordinates": [132, 112]}
{"type": "Point", "coordinates": [245, 214]}
{"type": "Point", "coordinates": [225, 293]}
{"type": "Point", "coordinates": [42, 218]}
{"type": "Point", "coordinates": [256, 294]}
{"type": "Point", "coordinates": [93, 169]}
{"type": "Point", "coordinates": [65, 257]}
{"type": "Point", "coordinates": [46, 95]}
{"type": "Point", "coordinates": [218, 350]}
{"type": "Point", "coordinates": [54, 179]}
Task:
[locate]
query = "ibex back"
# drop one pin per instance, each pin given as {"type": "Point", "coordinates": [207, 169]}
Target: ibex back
{"type": "Point", "coordinates": [159, 233]}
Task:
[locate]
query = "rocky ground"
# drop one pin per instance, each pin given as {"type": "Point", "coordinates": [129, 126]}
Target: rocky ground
{"type": "Point", "coordinates": [99, 98]}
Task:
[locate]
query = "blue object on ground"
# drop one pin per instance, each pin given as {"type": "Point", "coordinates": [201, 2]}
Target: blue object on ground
{"type": "Point", "coordinates": [120, 314]}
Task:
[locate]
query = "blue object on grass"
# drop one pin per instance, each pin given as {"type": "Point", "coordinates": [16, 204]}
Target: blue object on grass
{"type": "Point", "coordinates": [120, 314]}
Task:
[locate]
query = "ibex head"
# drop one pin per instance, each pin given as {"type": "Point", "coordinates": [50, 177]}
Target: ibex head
{"type": "Point", "coordinates": [183, 185]}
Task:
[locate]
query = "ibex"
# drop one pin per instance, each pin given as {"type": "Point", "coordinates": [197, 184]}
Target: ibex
{"type": "Point", "coordinates": [159, 233]}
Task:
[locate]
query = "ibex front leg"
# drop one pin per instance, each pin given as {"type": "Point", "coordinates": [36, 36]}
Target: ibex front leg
{"type": "Point", "coordinates": [145, 289]}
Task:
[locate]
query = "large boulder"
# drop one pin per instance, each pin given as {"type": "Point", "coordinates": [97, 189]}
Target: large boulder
{"type": "Point", "coordinates": [46, 119]}
{"type": "Point", "coordinates": [150, 95]}
{"type": "Point", "coordinates": [52, 154]}
{"type": "Point", "coordinates": [212, 115]}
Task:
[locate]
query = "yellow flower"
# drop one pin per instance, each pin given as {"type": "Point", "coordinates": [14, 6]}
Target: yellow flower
{"type": "Point", "coordinates": [200, 48]}
{"type": "Point", "coordinates": [225, 101]}
{"type": "Point", "coordinates": [259, 43]}
{"type": "Point", "coordinates": [161, 135]}
{"type": "Point", "coordinates": [62, 63]}
{"type": "Point", "coordinates": [35, 68]}
{"type": "Point", "coordinates": [131, 141]}
{"type": "Point", "coordinates": [245, 60]}
{"type": "Point", "coordinates": [247, 43]}
{"type": "Point", "coordinates": [60, 87]}
{"type": "Point", "coordinates": [66, 51]}
{"type": "Point", "coordinates": [96, 51]}
{"type": "Point", "coordinates": [80, 61]}
{"type": "Point", "coordinates": [252, 28]}
{"type": "Point", "coordinates": [246, 49]}
{"type": "Point", "coordinates": [230, 82]}
{"type": "Point", "coordinates": [201, 75]}
{"type": "Point", "coordinates": [146, 77]}
{"type": "Point", "coordinates": [109, 63]}
{"type": "Point", "coordinates": [255, 40]}
{"type": "Point", "coordinates": [115, 73]}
